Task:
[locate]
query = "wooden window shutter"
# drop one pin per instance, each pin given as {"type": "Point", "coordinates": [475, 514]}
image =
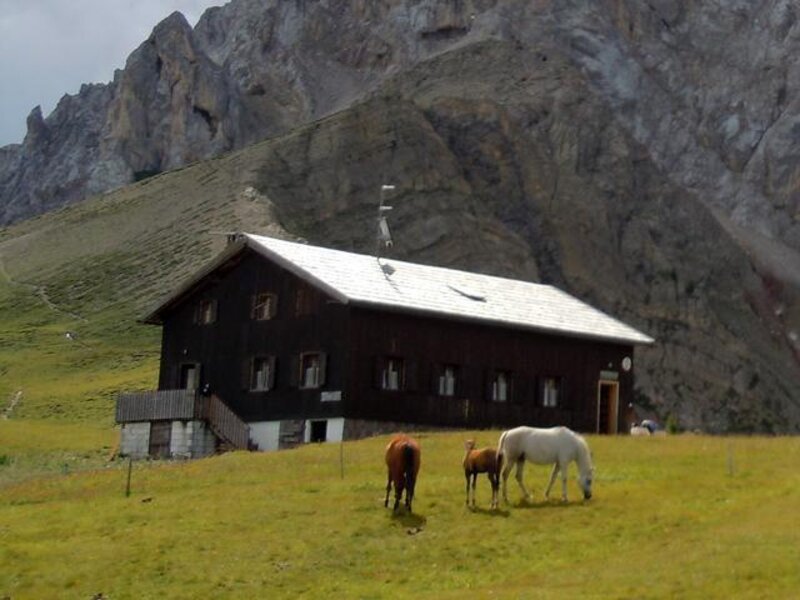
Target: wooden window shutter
{"type": "Point", "coordinates": [198, 311]}
{"type": "Point", "coordinates": [273, 305]}
{"type": "Point", "coordinates": [323, 368]}
{"type": "Point", "coordinates": [272, 366]}
{"type": "Point", "coordinates": [253, 303]}
{"type": "Point", "coordinates": [410, 382]}
{"type": "Point", "coordinates": [214, 310]}
{"type": "Point", "coordinates": [294, 371]}
{"type": "Point", "coordinates": [379, 364]}
{"type": "Point", "coordinates": [247, 373]}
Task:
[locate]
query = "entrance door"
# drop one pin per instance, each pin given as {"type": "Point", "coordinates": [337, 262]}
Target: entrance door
{"type": "Point", "coordinates": [190, 376]}
{"type": "Point", "coordinates": [607, 406]}
{"type": "Point", "coordinates": [319, 431]}
{"type": "Point", "coordinates": [160, 433]}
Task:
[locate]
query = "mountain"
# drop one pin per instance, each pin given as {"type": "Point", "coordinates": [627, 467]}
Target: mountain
{"type": "Point", "coordinates": [638, 155]}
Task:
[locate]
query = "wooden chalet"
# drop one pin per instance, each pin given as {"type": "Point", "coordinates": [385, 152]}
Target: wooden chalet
{"type": "Point", "coordinates": [276, 343]}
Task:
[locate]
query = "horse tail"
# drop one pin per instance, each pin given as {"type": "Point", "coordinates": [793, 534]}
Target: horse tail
{"type": "Point", "coordinates": [501, 453]}
{"type": "Point", "coordinates": [408, 464]}
{"type": "Point", "coordinates": [409, 471]}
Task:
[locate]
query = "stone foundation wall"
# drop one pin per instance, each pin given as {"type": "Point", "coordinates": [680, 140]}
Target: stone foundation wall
{"type": "Point", "coordinates": [134, 440]}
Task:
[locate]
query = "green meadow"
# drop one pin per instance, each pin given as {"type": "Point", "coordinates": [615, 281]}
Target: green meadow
{"type": "Point", "coordinates": [681, 516]}
{"type": "Point", "coordinates": [672, 517]}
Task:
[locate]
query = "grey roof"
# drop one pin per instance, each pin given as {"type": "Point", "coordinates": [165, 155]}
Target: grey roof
{"type": "Point", "coordinates": [408, 287]}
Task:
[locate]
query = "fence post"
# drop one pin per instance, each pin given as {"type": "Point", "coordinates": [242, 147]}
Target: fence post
{"type": "Point", "coordinates": [128, 484]}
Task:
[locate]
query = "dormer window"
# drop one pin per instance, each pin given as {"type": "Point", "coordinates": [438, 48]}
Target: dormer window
{"type": "Point", "coordinates": [264, 306]}
{"type": "Point", "coordinates": [205, 312]}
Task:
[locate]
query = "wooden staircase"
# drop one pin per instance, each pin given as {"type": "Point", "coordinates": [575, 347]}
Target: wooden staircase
{"type": "Point", "coordinates": [292, 433]}
{"type": "Point", "coordinates": [226, 425]}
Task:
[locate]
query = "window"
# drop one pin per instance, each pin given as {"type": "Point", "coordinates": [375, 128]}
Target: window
{"type": "Point", "coordinates": [190, 376]}
{"type": "Point", "coordinates": [447, 381]}
{"type": "Point", "coordinates": [303, 301]}
{"type": "Point", "coordinates": [550, 391]}
{"type": "Point", "coordinates": [264, 306]}
{"type": "Point", "coordinates": [393, 374]}
{"type": "Point", "coordinates": [501, 386]}
{"type": "Point", "coordinates": [205, 312]}
{"type": "Point", "coordinates": [262, 373]}
{"type": "Point", "coordinates": [312, 369]}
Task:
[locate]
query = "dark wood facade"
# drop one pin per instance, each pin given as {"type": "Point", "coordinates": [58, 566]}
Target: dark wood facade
{"type": "Point", "coordinates": [213, 334]}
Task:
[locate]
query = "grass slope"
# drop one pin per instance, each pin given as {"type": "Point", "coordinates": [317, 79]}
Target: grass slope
{"type": "Point", "coordinates": [671, 517]}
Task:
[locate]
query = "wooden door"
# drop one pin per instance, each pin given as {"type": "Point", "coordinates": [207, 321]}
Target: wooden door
{"type": "Point", "coordinates": [607, 406]}
{"type": "Point", "coordinates": [160, 434]}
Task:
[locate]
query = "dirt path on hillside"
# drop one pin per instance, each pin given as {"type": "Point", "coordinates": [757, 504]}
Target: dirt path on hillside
{"type": "Point", "coordinates": [38, 290]}
{"type": "Point", "coordinates": [12, 404]}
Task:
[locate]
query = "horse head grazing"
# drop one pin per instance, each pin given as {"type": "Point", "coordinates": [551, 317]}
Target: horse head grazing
{"type": "Point", "coordinates": [402, 461]}
{"type": "Point", "coordinates": [585, 468]}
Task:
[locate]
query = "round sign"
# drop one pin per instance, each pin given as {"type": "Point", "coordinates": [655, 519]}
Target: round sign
{"type": "Point", "coordinates": [626, 363]}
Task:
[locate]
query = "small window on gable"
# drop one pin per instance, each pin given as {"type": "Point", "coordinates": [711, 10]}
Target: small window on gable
{"type": "Point", "coordinates": [312, 369]}
{"type": "Point", "coordinates": [205, 312]}
{"type": "Point", "coordinates": [447, 380]}
{"type": "Point", "coordinates": [304, 300]}
{"type": "Point", "coordinates": [262, 373]}
{"type": "Point", "coordinates": [551, 390]}
{"type": "Point", "coordinates": [264, 306]}
{"type": "Point", "coordinates": [393, 374]}
{"type": "Point", "coordinates": [501, 386]}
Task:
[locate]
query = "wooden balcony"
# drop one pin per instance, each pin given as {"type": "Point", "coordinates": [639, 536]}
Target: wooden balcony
{"type": "Point", "coordinates": [184, 405]}
{"type": "Point", "coordinates": [159, 405]}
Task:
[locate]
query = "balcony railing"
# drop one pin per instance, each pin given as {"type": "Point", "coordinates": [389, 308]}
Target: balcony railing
{"type": "Point", "coordinates": [160, 405]}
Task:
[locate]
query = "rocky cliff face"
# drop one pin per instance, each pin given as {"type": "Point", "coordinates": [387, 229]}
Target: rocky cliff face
{"type": "Point", "coordinates": [638, 154]}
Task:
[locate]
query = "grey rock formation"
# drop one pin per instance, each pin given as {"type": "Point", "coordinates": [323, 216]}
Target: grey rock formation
{"type": "Point", "coordinates": [641, 155]}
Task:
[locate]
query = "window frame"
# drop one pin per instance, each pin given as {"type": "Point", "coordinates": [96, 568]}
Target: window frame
{"type": "Point", "coordinates": [442, 380]}
{"type": "Point", "coordinates": [205, 312]}
{"type": "Point", "coordinates": [551, 395]}
{"type": "Point", "coordinates": [319, 379]}
{"type": "Point", "coordinates": [271, 363]}
{"type": "Point", "coordinates": [386, 371]}
{"type": "Point", "coordinates": [508, 387]}
{"type": "Point", "coordinates": [270, 299]}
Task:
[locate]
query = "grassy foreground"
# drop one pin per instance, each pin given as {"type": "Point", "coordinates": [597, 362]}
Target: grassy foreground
{"type": "Point", "coordinates": [684, 516]}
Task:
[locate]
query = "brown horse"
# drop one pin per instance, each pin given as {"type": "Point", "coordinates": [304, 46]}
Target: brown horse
{"type": "Point", "coordinates": [486, 461]}
{"type": "Point", "coordinates": [402, 460]}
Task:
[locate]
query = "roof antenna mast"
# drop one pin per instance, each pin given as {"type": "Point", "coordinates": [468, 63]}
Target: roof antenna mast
{"type": "Point", "coordinates": [384, 237]}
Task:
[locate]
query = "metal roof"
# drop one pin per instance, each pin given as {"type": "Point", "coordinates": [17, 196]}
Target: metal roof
{"type": "Point", "coordinates": [408, 287]}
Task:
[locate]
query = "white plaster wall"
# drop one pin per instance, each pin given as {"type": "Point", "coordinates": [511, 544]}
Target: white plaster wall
{"type": "Point", "coordinates": [204, 442]}
{"type": "Point", "coordinates": [266, 434]}
{"type": "Point", "coordinates": [135, 440]}
{"type": "Point", "coordinates": [180, 439]}
{"type": "Point", "coordinates": [333, 432]}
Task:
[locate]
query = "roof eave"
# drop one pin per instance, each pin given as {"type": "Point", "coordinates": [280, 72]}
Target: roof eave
{"type": "Point", "coordinates": [153, 317]}
{"type": "Point", "coordinates": [645, 340]}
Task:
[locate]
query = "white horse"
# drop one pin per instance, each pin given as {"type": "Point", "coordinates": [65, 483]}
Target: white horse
{"type": "Point", "coordinates": [558, 446]}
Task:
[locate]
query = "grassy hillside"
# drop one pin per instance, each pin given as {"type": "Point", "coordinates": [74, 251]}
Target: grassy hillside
{"type": "Point", "coordinates": [682, 516]}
